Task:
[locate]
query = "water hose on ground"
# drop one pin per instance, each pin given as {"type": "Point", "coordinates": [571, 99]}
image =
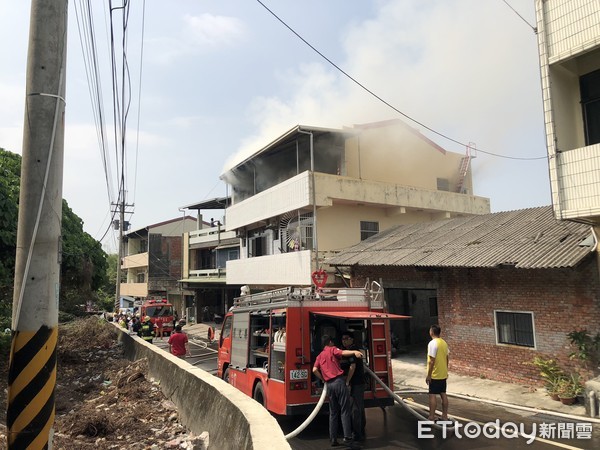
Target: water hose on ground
{"type": "Point", "coordinates": [310, 418]}
{"type": "Point", "coordinates": [400, 401]}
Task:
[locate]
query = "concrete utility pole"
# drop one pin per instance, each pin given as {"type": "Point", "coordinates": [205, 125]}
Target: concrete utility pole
{"type": "Point", "coordinates": [32, 371]}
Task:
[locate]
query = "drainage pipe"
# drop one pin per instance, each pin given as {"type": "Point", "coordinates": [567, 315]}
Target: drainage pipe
{"type": "Point", "coordinates": [592, 399]}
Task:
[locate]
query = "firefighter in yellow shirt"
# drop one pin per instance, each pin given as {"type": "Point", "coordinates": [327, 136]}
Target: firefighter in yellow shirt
{"type": "Point", "coordinates": [437, 371]}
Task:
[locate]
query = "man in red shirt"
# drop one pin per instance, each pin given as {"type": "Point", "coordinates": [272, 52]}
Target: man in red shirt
{"type": "Point", "coordinates": [178, 343]}
{"type": "Point", "coordinates": [327, 368]}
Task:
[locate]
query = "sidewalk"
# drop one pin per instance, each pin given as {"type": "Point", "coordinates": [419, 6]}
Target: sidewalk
{"type": "Point", "coordinates": [409, 374]}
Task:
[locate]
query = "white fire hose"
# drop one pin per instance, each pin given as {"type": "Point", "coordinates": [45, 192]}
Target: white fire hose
{"type": "Point", "coordinates": [319, 404]}
{"type": "Point", "coordinates": [310, 418]}
{"type": "Point", "coordinates": [402, 402]}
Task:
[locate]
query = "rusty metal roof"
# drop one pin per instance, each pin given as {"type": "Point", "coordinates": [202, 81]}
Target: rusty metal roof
{"type": "Point", "coordinates": [528, 238]}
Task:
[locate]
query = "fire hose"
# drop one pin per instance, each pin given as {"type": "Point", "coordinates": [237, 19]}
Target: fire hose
{"type": "Point", "coordinates": [399, 399]}
{"type": "Point", "coordinates": [392, 394]}
{"type": "Point", "coordinates": [310, 418]}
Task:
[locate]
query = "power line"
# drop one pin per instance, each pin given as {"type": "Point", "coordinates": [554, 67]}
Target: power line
{"type": "Point", "coordinates": [522, 18]}
{"type": "Point", "coordinates": [362, 86]}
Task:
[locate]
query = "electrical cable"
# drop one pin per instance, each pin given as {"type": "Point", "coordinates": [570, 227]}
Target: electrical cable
{"type": "Point", "coordinates": [42, 195]}
{"type": "Point", "coordinates": [522, 18]}
{"type": "Point", "coordinates": [362, 86]}
{"type": "Point", "coordinates": [137, 138]}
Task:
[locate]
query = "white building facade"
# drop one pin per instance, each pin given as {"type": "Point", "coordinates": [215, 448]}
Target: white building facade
{"type": "Point", "coordinates": [569, 50]}
{"type": "Point", "coordinates": [315, 191]}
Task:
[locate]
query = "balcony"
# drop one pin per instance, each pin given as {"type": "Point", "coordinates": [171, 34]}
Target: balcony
{"type": "Point", "coordinates": [290, 195]}
{"type": "Point", "coordinates": [210, 235]}
{"type": "Point", "coordinates": [134, 289]}
{"type": "Point", "coordinates": [576, 184]}
{"type": "Point", "coordinates": [133, 261]}
{"type": "Point", "coordinates": [292, 268]}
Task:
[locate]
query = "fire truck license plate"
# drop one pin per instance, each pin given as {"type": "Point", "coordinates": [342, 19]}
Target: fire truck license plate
{"type": "Point", "coordinates": [298, 374]}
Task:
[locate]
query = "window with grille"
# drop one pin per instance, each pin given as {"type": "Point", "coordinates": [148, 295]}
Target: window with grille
{"type": "Point", "coordinates": [515, 328]}
{"type": "Point", "coordinates": [368, 229]}
{"type": "Point", "coordinates": [296, 232]}
{"type": "Point", "coordinates": [141, 277]}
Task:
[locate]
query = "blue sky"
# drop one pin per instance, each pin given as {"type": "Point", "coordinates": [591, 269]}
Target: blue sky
{"type": "Point", "coordinates": [220, 78]}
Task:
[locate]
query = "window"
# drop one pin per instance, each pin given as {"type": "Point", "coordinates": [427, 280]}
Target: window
{"type": "Point", "coordinates": [433, 307]}
{"type": "Point", "coordinates": [443, 184]}
{"type": "Point", "coordinates": [589, 85]}
{"type": "Point", "coordinates": [141, 277]}
{"type": "Point", "coordinates": [257, 246]}
{"type": "Point", "coordinates": [143, 246]}
{"type": "Point", "coordinates": [296, 232]}
{"type": "Point", "coordinates": [368, 229]}
{"type": "Point", "coordinates": [515, 328]}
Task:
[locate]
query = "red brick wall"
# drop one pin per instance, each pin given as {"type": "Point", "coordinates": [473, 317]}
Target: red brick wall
{"type": "Point", "coordinates": [562, 300]}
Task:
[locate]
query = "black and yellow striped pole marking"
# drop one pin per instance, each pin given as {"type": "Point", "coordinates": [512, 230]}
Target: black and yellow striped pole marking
{"type": "Point", "coordinates": [31, 383]}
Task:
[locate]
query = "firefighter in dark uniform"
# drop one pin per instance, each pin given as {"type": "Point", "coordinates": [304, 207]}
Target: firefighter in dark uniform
{"type": "Point", "coordinates": [146, 331]}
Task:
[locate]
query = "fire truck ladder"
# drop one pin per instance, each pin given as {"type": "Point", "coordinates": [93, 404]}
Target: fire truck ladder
{"type": "Point", "coordinates": [379, 329]}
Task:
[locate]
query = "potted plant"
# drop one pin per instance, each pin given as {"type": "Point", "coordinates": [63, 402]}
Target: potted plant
{"type": "Point", "coordinates": [553, 387]}
{"type": "Point", "coordinates": [569, 388]}
{"type": "Point", "coordinates": [551, 373]}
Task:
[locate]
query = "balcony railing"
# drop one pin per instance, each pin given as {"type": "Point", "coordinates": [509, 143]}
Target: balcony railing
{"type": "Point", "coordinates": [577, 193]}
{"type": "Point", "coordinates": [134, 289]}
{"type": "Point", "coordinates": [137, 260]}
{"type": "Point", "coordinates": [213, 234]}
{"type": "Point", "coordinates": [207, 273]}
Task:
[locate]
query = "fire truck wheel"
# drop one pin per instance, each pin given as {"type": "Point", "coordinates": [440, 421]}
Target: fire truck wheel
{"type": "Point", "coordinates": [259, 394]}
{"type": "Point", "coordinates": [226, 376]}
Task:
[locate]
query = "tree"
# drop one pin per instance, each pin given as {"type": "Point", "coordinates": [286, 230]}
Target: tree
{"type": "Point", "coordinates": [84, 264]}
{"type": "Point", "coordinates": [106, 294]}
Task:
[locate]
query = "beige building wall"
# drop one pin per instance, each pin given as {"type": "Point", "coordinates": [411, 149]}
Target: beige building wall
{"type": "Point", "coordinates": [174, 227]}
{"type": "Point", "coordinates": [339, 225]}
{"type": "Point", "coordinates": [392, 152]}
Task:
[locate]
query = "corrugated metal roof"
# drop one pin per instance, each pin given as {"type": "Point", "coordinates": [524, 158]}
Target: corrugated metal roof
{"type": "Point", "coordinates": [527, 238]}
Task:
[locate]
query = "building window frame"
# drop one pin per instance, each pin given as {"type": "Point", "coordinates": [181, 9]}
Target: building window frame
{"type": "Point", "coordinates": [590, 106]}
{"type": "Point", "coordinates": [368, 229]}
{"type": "Point", "coordinates": [512, 329]}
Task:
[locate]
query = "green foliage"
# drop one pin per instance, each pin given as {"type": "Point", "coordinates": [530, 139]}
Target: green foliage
{"type": "Point", "coordinates": [550, 372]}
{"type": "Point", "coordinates": [586, 347]}
{"type": "Point", "coordinates": [570, 387]}
{"type": "Point", "coordinates": [84, 263]}
{"type": "Point", "coordinates": [10, 175]}
{"type": "Point", "coordinates": [4, 347]}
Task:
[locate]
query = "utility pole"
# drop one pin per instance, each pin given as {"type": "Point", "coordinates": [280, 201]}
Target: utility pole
{"type": "Point", "coordinates": [32, 370]}
{"type": "Point", "coordinates": [123, 226]}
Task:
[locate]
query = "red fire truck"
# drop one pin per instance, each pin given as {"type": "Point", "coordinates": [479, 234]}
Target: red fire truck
{"type": "Point", "coordinates": [270, 340]}
{"type": "Point", "coordinates": [159, 310]}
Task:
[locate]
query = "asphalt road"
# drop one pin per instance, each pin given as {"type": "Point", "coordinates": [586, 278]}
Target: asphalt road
{"type": "Point", "coordinates": [396, 428]}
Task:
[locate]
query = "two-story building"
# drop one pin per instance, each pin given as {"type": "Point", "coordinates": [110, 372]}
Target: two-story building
{"type": "Point", "coordinates": [204, 262]}
{"type": "Point", "coordinates": [153, 261]}
{"type": "Point", "coordinates": [569, 51]}
{"type": "Point", "coordinates": [314, 191]}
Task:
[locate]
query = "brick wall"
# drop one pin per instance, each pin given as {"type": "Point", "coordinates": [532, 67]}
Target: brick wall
{"type": "Point", "coordinates": [561, 300]}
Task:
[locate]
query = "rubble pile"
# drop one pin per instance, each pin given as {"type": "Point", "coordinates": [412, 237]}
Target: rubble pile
{"type": "Point", "coordinates": [104, 401]}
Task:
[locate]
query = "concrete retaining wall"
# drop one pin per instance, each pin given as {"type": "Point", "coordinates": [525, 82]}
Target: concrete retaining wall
{"type": "Point", "coordinates": [206, 403]}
